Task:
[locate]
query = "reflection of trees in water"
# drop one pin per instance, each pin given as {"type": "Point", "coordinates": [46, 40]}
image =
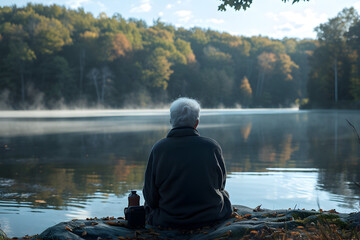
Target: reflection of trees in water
{"type": "Point", "coordinates": [256, 142]}
{"type": "Point", "coordinates": [283, 140]}
{"type": "Point", "coordinates": [65, 168]}
{"type": "Point", "coordinates": [334, 150]}
{"type": "Point", "coordinates": [312, 140]}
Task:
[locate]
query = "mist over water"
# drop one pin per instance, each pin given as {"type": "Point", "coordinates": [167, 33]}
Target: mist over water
{"type": "Point", "coordinates": [60, 165]}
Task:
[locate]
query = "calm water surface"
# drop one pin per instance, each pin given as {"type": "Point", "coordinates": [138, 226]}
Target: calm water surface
{"type": "Point", "coordinates": [57, 166]}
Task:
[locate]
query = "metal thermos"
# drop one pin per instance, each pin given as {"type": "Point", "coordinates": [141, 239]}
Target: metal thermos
{"type": "Point", "coordinates": [134, 199]}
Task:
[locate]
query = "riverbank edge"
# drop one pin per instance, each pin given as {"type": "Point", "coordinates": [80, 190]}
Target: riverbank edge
{"type": "Point", "coordinates": [244, 223]}
{"type": "Point", "coordinates": [340, 105]}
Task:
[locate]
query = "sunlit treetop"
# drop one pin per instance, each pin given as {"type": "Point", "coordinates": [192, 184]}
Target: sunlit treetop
{"type": "Point", "coordinates": [242, 4]}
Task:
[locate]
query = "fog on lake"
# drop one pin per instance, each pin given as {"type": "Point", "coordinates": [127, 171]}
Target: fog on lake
{"type": "Point", "coordinates": [60, 165]}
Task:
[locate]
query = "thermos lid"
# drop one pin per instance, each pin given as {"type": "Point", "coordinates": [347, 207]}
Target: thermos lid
{"type": "Point", "coordinates": [133, 191]}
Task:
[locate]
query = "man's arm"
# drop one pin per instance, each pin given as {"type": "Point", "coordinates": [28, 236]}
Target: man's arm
{"type": "Point", "coordinates": [221, 162]}
{"type": "Point", "coordinates": [150, 192]}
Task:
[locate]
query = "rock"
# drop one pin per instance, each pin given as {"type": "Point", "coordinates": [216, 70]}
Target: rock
{"type": "Point", "coordinates": [354, 219]}
{"type": "Point", "coordinates": [255, 223]}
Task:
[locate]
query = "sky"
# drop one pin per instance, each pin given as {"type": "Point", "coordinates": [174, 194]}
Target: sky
{"type": "Point", "coordinates": [272, 18]}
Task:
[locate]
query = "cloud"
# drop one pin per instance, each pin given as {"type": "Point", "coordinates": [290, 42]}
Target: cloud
{"type": "Point", "coordinates": [296, 24]}
{"type": "Point", "coordinates": [76, 3]}
{"type": "Point", "coordinates": [184, 15]}
{"type": "Point", "coordinates": [215, 21]}
{"type": "Point", "coordinates": [169, 6]}
{"type": "Point", "coordinates": [144, 6]}
{"type": "Point", "coordinates": [160, 14]}
{"type": "Point", "coordinates": [272, 16]}
{"type": "Point", "coordinates": [285, 28]}
{"type": "Point", "coordinates": [357, 6]}
{"type": "Point", "coordinates": [102, 6]}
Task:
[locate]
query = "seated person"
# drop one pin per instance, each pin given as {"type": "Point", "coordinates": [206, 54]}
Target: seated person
{"type": "Point", "coordinates": [185, 175]}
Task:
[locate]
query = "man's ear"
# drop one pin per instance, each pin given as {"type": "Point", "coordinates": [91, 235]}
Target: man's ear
{"type": "Point", "coordinates": [196, 124]}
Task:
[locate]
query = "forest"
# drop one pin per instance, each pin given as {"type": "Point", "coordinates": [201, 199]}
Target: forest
{"type": "Point", "coordinates": [54, 58]}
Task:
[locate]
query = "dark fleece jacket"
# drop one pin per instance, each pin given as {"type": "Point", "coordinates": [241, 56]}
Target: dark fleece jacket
{"type": "Point", "coordinates": [185, 180]}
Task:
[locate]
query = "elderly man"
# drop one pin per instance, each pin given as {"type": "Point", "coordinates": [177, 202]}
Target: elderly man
{"type": "Point", "coordinates": [185, 175]}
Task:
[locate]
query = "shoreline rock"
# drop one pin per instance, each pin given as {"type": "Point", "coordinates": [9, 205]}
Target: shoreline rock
{"type": "Point", "coordinates": [245, 222]}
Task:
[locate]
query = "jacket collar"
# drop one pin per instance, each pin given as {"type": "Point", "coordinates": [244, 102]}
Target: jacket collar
{"type": "Point", "coordinates": [182, 132]}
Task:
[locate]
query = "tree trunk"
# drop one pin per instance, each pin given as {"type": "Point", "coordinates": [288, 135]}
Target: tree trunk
{"type": "Point", "coordinates": [260, 84]}
{"type": "Point", "coordinates": [336, 80]}
{"type": "Point", "coordinates": [22, 83]}
{"type": "Point", "coordinates": [94, 74]}
{"type": "Point", "coordinates": [104, 75]}
{"type": "Point", "coordinates": [82, 67]}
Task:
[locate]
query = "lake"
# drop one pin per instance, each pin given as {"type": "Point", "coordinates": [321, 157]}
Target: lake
{"type": "Point", "coordinates": [61, 165]}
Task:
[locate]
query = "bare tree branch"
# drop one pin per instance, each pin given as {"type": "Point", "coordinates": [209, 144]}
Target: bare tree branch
{"type": "Point", "coordinates": [354, 129]}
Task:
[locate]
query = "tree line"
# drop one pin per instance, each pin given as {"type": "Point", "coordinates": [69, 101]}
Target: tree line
{"type": "Point", "coordinates": [52, 57]}
{"type": "Point", "coordinates": [334, 79]}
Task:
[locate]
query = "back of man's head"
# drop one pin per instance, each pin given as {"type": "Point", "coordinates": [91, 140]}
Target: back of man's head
{"type": "Point", "coordinates": [184, 112]}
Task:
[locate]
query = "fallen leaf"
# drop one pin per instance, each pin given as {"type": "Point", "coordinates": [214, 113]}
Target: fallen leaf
{"type": "Point", "coordinates": [258, 208]}
{"type": "Point", "coordinates": [280, 215]}
{"type": "Point", "coordinates": [333, 226]}
{"type": "Point", "coordinates": [83, 233]}
{"type": "Point", "coordinates": [238, 219]}
{"type": "Point", "coordinates": [294, 234]}
{"type": "Point", "coordinates": [300, 227]}
{"type": "Point", "coordinates": [67, 228]}
{"type": "Point", "coordinates": [40, 201]}
{"type": "Point", "coordinates": [246, 237]}
{"type": "Point", "coordinates": [332, 211]}
{"type": "Point", "coordinates": [247, 216]}
{"type": "Point", "coordinates": [82, 225]}
{"type": "Point", "coordinates": [227, 224]}
{"type": "Point", "coordinates": [74, 219]}
{"type": "Point", "coordinates": [121, 238]}
{"type": "Point", "coordinates": [94, 223]}
{"type": "Point", "coordinates": [254, 232]}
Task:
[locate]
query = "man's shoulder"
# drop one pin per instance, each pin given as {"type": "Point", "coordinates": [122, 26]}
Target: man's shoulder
{"type": "Point", "coordinates": [160, 142]}
{"type": "Point", "coordinates": [201, 139]}
{"type": "Point", "coordinates": [209, 141]}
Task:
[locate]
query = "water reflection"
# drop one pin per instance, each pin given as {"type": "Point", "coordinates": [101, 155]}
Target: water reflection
{"type": "Point", "coordinates": [58, 168]}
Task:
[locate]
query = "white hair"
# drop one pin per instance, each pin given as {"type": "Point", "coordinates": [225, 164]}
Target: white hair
{"type": "Point", "coordinates": [184, 112]}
